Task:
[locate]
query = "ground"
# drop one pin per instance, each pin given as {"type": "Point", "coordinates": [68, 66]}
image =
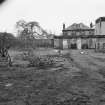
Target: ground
{"type": "Point", "coordinates": [77, 78]}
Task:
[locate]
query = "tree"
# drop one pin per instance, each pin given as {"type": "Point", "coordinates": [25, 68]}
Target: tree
{"type": "Point", "coordinates": [21, 28]}
{"type": "Point", "coordinates": [30, 30]}
{"type": "Point", "coordinates": [7, 40]}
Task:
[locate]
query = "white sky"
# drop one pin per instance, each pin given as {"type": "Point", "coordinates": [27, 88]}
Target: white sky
{"type": "Point", "coordinates": [51, 14]}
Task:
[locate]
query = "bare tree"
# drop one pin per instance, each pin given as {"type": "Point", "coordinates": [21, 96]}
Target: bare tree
{"type": "Point", "coordinates": [30, 30]}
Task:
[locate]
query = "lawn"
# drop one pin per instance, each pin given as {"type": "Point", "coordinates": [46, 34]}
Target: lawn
{"type": "Point", "coordinates": [71, 81]}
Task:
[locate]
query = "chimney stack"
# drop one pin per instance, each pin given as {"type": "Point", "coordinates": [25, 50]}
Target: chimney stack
{"type": "Point", "coordinates": [91, 25]}
{"type": "Point", "coordinates": [63, 26]}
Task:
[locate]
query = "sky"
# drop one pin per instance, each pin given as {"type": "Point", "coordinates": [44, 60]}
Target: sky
{"type": "Point", "coordinates": [50, 14]}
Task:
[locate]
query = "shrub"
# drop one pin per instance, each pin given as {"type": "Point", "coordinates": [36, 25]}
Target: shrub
{"type": "Point", "coordinates": [38, 61]}
{"type": "Point", "coordinates": [41, 61]}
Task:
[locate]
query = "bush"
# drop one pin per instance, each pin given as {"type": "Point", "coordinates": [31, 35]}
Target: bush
{"type": "Point", "coordinates": [38, 61]}
{"type": "Point", "coordinates": [43, 61]}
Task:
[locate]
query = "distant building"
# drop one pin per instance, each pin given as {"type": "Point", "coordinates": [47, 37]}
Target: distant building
{"type": "Point", "coordinates": [77, 30]}
{"type": "Point", "coordinates": [100, 26]}
{"type": "Point", "coordinates": [100, 30]}
{"type": "Point", "coordinates": [80, 36]}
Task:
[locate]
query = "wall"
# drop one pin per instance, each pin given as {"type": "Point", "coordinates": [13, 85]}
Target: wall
{"type": "Point", "coordinates": [79, 43]}
{"type": "Point", "coordinates": [76, 33]}
{"type": "Point", "coordinates": [100, 28]}
{"type": "Point", "coordinates": [65, 44]}
{"type": "Point", "coordinates": [56, 43]}
{"type": "Point", "coordinates": [103, 28]}
{"type": "Point", "coordinates": [100, 43]}
{"type": "Point", "coordinates": [97, 29]}
{"type": "Point", "coordinates": [91, 43]}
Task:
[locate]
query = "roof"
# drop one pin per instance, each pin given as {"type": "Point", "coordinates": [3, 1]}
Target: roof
{"type": "Point", "coordinates": [100, 19]}
{"type": "Point", "coordinates": [76, 26]}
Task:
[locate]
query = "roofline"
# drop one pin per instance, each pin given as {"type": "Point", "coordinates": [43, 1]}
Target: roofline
{"type": "Point", "coordinates": [100, 19]}
{"type": "Point", "coordinates": [78, 30]}
{"type": "Point", "coordinates": [79, 36]}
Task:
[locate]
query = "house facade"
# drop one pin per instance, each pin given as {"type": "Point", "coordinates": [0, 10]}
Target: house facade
{"type": "Point", "coordinates": [78, 30]}
{"type": "Point", "coordinates": [80, 36]}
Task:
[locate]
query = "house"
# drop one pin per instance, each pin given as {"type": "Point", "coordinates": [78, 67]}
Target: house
{"type": "Point", "coordinates": [100, 30]}
{"type": "Point", "coordinates": [77, 30]}
{"type": "Point", "coordinates": [80, 36]}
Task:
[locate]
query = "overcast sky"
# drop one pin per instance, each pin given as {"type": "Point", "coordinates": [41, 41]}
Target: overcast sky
{"type": "Point", "coordinates": [51, 14]}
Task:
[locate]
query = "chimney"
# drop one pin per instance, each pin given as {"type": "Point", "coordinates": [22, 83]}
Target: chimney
{"type": "Point", "coordinates": [63, 26]}
{"type": "Point", "coordinates": [91, 25]}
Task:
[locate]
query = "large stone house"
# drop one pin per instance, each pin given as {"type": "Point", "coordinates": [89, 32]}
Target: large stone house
{"type": "Point", "coordinates": [80, 36]}
{"type": "Point", "coordinates": [76, 31]}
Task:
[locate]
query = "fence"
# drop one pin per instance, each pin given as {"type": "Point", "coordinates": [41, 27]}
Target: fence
{"type": "Point", "coordinates": [36, 43]}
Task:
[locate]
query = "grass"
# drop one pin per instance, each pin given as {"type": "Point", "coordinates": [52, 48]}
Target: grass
{"type": "Point", "coordinates": [55, 85]}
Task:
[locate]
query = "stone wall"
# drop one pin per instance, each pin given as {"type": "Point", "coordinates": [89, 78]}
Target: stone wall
{"type": "Point", "coordinates": [100, 43]}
